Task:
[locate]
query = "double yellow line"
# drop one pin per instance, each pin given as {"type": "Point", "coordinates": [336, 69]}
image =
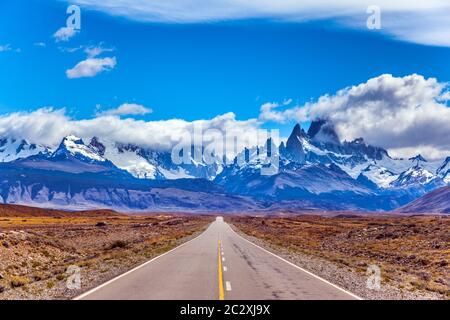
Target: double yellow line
{"type": "Point", "coordinates": [219, 257]}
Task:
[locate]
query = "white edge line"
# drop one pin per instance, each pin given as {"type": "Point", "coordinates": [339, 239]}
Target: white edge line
{"type": "Point", "coordinates": [300, 268]}
{"type": "Point", "coordinates": [134, 269]}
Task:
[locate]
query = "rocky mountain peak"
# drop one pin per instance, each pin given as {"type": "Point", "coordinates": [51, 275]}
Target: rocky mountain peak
{"type": "Point", "coordinates": [73, 146]}
{"type": "Point", "coordinates": [98, 146]}
{"type": "Point", "coordinates": [323, 131]}
{"type": "Point", "coordinates": [417, 159]}
{"type": "Point", "coordinates": [294, 147]}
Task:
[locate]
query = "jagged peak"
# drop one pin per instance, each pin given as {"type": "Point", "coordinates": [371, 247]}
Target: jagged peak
{"type": "Point", "coordinates": [297, 132]}
{"type": "Point", "coordinates": [418, 158]}
{"type": "Point", "coordinates": [74, 146]}
{"type": "Point", "coordinates": [98, 146]}
{"type": "Point", "coordinates": [72, 139]}
{"type": "Point", "coordinates": [323, 130]}
{"type": "Point", "coordinates": [445, 167]}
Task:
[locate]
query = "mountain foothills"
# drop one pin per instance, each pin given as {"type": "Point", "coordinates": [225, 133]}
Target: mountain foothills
{"type": "Point", "coordinates": [315, 171]}
{"type": "Point", "coordinates": [436, 201]}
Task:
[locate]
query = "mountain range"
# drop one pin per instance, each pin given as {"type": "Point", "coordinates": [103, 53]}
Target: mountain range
{"type": "Point", "coordinates": [315, 171]}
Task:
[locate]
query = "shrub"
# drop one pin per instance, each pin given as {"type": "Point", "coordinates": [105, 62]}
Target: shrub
{"type": "Point", "coordinates": [17, 281]}
{"type": "Point", "coordinates": [51, 284]}
{"type": "Point", "coordinates": [101, 224]}
{"type": "Point", "coordinates": [118, 244]}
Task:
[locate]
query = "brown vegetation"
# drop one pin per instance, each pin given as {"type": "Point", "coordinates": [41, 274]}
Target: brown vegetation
{"type": "Point", "coordinates": [37, 250]}
{"type": "Point", "coordinates": [12, 210]}
{"type": "Point", "coordinates": [412, 252]}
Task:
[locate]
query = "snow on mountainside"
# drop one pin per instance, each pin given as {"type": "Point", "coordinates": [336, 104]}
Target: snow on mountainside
{"type": "Point", "coordinates": [13, 149]}
{"type": "Point", "coordinates": [311, 170]}
{"type": "Point", "coordinates": [72, 146]}
{"type": "Point", "coordinates": [320, 145]}
{"type": "Point", "coordinates": [414, 175]}
{"type": "Point", "coordinates": [144, 163]}
{"type": "Point", "coordinates": [356, 158]}
{"type": "Point", "coordinates": [315, 164]}
{"type": "Point", "coordinates": [444, 171]}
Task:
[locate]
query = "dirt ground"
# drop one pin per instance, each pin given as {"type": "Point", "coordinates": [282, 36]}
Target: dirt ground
{"type": "Point", "coordinates": [412, 252]}
{"type": "Point", "coordinates": [40, 255]}
{"type": "Point", "coordinates": [41, 250]}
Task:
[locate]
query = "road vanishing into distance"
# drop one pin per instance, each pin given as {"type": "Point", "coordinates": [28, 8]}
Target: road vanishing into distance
{"type": "Point", "coordinates": [218, 264]}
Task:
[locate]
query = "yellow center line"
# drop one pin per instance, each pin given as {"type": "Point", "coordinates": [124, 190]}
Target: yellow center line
{"type": "Point", "coordinates": [221, 291]}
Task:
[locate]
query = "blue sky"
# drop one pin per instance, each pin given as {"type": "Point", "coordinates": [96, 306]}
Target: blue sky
{"type": "Point", "coordinates": [195, 70]}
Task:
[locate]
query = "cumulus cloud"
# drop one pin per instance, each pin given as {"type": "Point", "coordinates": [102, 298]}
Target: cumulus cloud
{"type": "Point", "coordinates": [407, 115]}
{"type": "Point", "coordinates": [126, 109]}
{"type": "Point", "coordinates": [91, 67]}
{"type": "Point", "coordinates": [48, 126]}
{"type": "Point", "coordinates": [64, 34]}
{"type": "Point", "coordinates": [417, 21]}
{"type": "Point", "coordinates": [268, 112]}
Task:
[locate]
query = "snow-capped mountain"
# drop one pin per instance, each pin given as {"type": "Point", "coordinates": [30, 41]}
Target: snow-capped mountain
{"type": "Point", "coordinates": [357, 159]}
{"type": "Point", "coordinates": [13, 149]}
{"type": "Point", "coordinates": [74, 147]}
{"type": "Point", "coordinates": [315, 164]}
{"type": "Point", "coordinates": [312, 170]}
{"type": "Point", "coordinates": [416, 175]}
{"type": "Point", "coordinates": [144, 163]}
{"type": "Point", "coordinates": [444, 171]}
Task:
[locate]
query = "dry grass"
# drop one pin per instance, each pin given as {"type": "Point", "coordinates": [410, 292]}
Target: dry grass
{"type": "Point", "coordinates": [36, 252]}
{"type": "Point", "coordinates": [412, 252]}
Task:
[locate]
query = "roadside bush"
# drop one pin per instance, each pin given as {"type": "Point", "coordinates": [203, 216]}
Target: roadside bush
{"type": "Point", "coordinates": [17, 281]}
{"type": "Point", "coordinates": [118, 244]}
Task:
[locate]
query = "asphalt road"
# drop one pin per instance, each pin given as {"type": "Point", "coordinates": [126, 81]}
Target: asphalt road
{"type": "Point", "coordinates": [218, 264]}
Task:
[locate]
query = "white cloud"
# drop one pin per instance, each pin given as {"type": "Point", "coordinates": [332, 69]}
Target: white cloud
{"type": "Point", "coordinates": [418, 21]}
{"type": "Point", "coordinates": [48, 126]}
{"type": "Point", "coordinates": [91, 67]}
{"type": "Point", "coordinates": [268, 112]}
{"type": "Point", "coordinates": [406, 115]}
{"type": "Point", "coordinates": [94, 51]}
{"type": "Point", "coordinates": [70, 50]}
{"type": "Point", "coordinates": [6, 47]}
{"type": "Point", "coordinates": [40, 44]}
{"type": "Point", "coordinates": [64, 34]}
{"type": "Point", "coordinates": [126, 109]}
